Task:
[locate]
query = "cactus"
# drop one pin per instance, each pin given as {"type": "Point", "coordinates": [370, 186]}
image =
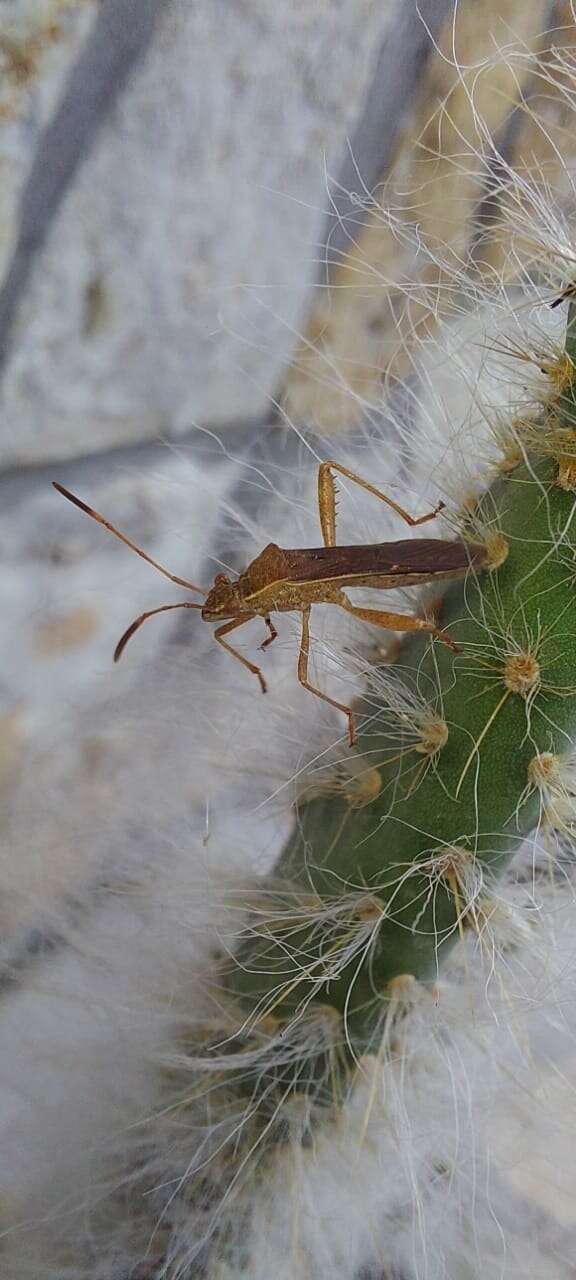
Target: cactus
{"type": "Point", "coordinates": [466, 777]}
{"type": "Point", "coordinates": [459, 757]}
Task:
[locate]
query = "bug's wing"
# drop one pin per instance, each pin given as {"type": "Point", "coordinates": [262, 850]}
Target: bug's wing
{"type": "Point", "coordinates": [414, 556]}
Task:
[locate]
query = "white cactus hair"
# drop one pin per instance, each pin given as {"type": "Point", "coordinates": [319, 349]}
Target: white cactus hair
{"type": "Point", "coordinates": [135, 1145]}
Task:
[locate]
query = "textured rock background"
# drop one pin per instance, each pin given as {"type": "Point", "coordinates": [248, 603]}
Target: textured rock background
{"type": "Point", "coordinates": [174, 276]}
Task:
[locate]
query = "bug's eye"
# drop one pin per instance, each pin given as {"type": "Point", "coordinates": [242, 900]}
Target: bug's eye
{"type": "Point", "coordinates": [220, 579]}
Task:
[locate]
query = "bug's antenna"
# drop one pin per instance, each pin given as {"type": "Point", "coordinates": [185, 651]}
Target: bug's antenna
{"type": "Point", "coordinates": [95, 515]}
{"type": "Point", "coordinates": [135, 626]}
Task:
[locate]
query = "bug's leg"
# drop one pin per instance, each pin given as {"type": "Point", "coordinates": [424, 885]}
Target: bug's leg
{"type": "Point", "coordinates": [303, 657]}
{"type": "Point", "coordinates": [327, 504]}
{"type": "Point", "coordinates": [273, 634]}
{"type": "Point", "coordinates": [137, 623]}
{"type": "Point", "coordinates": [327, 500]}
{"type": "Point", "coordinates": [231, 626]}
{"type": "Point", "coordinates": [396, 621]}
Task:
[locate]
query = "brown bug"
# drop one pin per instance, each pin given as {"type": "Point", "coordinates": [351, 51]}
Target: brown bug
{"type": "Point", "coordinates": [281, 581]}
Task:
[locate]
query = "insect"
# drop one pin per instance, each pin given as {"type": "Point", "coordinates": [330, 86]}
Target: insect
{"type": "Point", "coordinates": [281, 580]}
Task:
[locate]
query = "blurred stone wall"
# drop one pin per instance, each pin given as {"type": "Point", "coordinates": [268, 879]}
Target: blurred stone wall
{"type": "Point", "coordinates": [173, 276]}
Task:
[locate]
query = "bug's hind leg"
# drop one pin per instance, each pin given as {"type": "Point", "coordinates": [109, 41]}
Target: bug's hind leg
{"type": "Point", "coordinates": [231, 626]}
{"type": "Point", "coordinates": [303, 657]}
{"type": "Point", "coordinates": [327, 501]}
{"type": "Point", "coordinates": [396, 621]}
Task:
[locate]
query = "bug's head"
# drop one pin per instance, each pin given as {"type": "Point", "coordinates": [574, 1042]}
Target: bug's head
{"type": "Point", "coordinates": [222, 600]}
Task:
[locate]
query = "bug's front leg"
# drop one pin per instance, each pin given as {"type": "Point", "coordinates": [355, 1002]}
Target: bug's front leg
{"type": "Point", "coordinates": [231, 626]}
{"type": "Point", "coordinates": [396, 621]}
{"type": "Point", "coordinates": [273, 634]}
{"type": "Point", "coordinates": [303, 657]}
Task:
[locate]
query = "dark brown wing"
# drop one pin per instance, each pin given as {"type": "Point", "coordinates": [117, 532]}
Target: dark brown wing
{"type": "Point", "coordinates": [428, 556]}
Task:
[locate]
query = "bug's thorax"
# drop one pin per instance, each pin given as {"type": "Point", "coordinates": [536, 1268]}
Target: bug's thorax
{"type": "Point", "coordinates": [262, 585]}
{"type": "Point", "coordinates": [272, 582]}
